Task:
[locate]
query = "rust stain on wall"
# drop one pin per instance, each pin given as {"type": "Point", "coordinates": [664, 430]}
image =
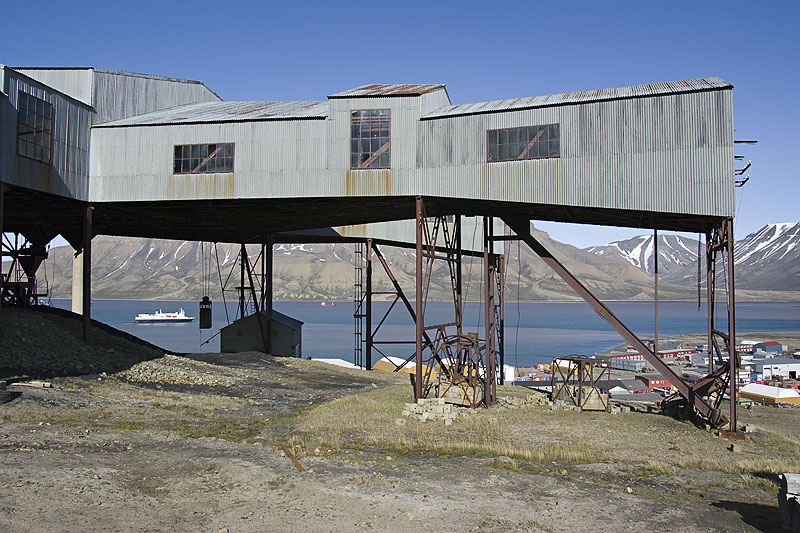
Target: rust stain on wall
{"type": "Point", "coordinates": [376, 182]}
{"type": "Point", "coordinates": [200, 186]}
{"type": "Point", "coordinates": [356, 230]}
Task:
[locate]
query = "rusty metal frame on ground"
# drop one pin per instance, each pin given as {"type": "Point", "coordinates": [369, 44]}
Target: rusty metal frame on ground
{"type": "Point", "coordinates": [578, 370]}
{"type": "Point", "coordinates": [455, 364]}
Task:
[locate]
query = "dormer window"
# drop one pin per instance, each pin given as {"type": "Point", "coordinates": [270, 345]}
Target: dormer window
{"type": "Point", "coordinates": [370, 142]}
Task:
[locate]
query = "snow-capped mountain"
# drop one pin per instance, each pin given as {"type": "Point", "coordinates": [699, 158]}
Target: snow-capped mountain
{"type": "Point", "coordinates": [674, 251]}
{"type": "Point", "coordinates": [767, 259]}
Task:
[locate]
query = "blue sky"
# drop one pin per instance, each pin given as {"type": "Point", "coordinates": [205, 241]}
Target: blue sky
{"type": "Point", "coordinates": [481, 51]}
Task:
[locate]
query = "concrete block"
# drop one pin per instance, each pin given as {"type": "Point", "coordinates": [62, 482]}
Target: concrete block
{"type": "Point", "coordinates": [400, 421]}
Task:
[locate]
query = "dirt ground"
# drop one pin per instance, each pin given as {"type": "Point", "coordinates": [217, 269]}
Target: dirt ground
{"type": "Point", "coordinates": [192, 444]}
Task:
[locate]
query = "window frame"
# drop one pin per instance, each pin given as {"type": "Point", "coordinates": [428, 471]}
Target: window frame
{"type": "Point", "coordinates": [530, 143]}
{"type": "Point", "coordinates": [41, 129]}
{"type": "Point", "coordinates": [375, 155]}
{"type": "Point", "coordinates": [202, 160]}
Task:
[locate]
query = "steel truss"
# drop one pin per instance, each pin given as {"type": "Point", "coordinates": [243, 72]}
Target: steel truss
{"type": "Point", "coordinates": [19, 286]}
{"type": "Point", "coordinates": [255, 290]}
{"type": "Point", "coordinates": [705, 396]}
{"type": "Point", "coordinates": [456, 365]}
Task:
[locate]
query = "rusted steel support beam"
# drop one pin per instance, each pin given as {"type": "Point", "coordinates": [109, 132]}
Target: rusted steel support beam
{"type": "Point", "coordinates": [489, 277]}
{"type": "Point", "coordinates": [522, 228]}
{"type": "Point", "coordinates": [266, 301]}
{"type": "Point", "coordinates": [655, 288]}
{"type": "Point", "coordinates": [733, 357]}
{"type": "Point", "coordinates": [368, 310]}
{"type": "Point", "coordinates": [711, 281]}
{"type": "Point", "coordinates": [399, 291]}
{"type": "Point", "coordinates": [420, 314]}
{"type": "Point", "coordinates": [2, 203]}
{"type": "Point", "coordinates": [87, 272]}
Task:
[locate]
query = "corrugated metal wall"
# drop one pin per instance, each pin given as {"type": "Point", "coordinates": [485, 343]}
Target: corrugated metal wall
{"type": "Point", "coordinates": [119, 94]}
{"type": "Point", "coordinates": [67, 175]}
{"type": "Point", "coordinates": [74, 82]}
{"type": "Point", "coordinates": [115, 95]}
{"type": "Point", "coordinates": [667, 153]}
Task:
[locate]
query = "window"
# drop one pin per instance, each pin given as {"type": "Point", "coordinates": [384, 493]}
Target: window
{"type": "Point", "coordinates": [531, 142]}
{"type": "Point", "coordinates": [203, 158]}
{"type": "Point", "coordinates": [370, 142]}
{"type": "Point", "coordinates": [34, 127]}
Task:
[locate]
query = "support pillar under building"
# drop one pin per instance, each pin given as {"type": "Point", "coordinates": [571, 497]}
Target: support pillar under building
{"type": "Point", "coordinates": [87, 273]}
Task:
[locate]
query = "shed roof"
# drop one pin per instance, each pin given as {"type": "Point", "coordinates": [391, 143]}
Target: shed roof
{"type": "Point", "coordinates": [388, 89]}
{"type": "Point", "coordinates": [769, 391]}
{"type": "Point", "coordinates": [210, 112]}
{"type": "Point", "coordinates": [633, 91]}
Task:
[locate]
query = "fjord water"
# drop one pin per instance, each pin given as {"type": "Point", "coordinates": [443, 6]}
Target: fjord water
{"type": "Point", "coordinates": [535, 332]}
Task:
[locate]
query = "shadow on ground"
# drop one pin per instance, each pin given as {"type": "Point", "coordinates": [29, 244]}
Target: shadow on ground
{"type": "Point", "coordinates": [765, 518]}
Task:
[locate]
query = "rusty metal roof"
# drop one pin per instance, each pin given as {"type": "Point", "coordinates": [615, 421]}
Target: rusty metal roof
{"type": "Point", "coordinates": [205, 112]}
{"type": "Point", "coordinates": [388, 89]}
{"type": "Point", "coordinates": [635, 91]}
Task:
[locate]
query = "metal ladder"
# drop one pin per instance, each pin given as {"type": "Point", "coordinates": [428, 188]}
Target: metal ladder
{"type": "Point", "coordinates": [358, 301]}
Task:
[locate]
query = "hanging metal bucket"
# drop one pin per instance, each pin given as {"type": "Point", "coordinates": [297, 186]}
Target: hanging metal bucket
{"type": "Point", "coordinates": [205, 313]}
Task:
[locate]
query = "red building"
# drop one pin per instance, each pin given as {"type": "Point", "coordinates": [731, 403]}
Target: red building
{"type": "Point", "coordinates": [654, 381]}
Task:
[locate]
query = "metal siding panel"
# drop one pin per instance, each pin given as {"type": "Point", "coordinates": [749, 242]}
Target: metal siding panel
{"type": "Point", "coordinates": [120, 95]}
{"type": "Point", "coordinates": [670, 153]}
{"type": "Point", "coordinates": [74, 82]}
{"type": "Point", "coordinates": [67, 174]}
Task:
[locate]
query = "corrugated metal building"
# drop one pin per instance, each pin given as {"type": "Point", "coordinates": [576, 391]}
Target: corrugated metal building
{"type": "Point", "coordinates": [655, 155]}
{"type": "Point", "coordinates": [663, 150]}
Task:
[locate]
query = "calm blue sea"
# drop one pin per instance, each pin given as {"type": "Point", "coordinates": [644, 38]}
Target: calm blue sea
{"type": "Point", "coordinates": [535, 331]}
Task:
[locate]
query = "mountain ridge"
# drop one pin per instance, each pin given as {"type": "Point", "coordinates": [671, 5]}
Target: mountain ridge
{"type": "Point", "coordinates": [155, 269]}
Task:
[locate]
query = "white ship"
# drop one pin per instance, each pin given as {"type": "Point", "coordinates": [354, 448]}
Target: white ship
{"type": "Point", "coordinates": [158, 316]}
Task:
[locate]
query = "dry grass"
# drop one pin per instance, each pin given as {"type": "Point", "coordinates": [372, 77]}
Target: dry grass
{"type": "Point", "coordinates": [656, 445]}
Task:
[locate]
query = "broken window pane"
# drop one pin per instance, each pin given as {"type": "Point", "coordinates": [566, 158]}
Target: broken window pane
{"type": "Point", "coordinates": [370, 136]}
{"type": "Point", "coordinates": [529, 142]}
{"type": "Point", "coordinates": [203, 158]}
